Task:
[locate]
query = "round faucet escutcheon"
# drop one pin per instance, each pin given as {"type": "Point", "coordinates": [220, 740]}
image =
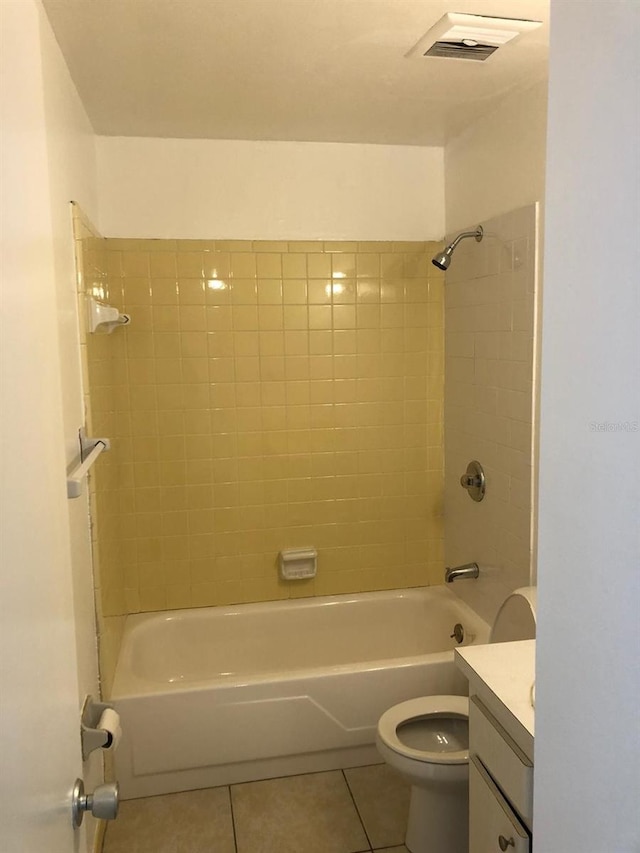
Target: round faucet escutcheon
{"type": "Point", "coordinates": [474, 481]}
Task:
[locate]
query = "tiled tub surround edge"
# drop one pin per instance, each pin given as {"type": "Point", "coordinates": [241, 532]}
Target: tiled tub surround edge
{"type": "Point", "coordinates": [491, 304]}
{"type": "Point", "coordinates": [92, 280]}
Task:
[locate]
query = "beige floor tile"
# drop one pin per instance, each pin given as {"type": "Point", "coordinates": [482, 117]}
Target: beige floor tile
{"type": "Point", "coordinates": [298, 814]}
{"type": "Point", "coordinates": [382, 798]}
{"type": "Point", "coordinates": [401, 849]}
{"type": "Point", "coordinates": [190, 822]}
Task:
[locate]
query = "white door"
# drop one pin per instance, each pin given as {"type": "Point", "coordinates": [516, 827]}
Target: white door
{"type": "Point", "coordinates": [39, 724]}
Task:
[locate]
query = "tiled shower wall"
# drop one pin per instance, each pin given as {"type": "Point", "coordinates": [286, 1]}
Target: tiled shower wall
{"type": "Point", "coordinates": [266, 396]}
{"type": "Point", "coordinates": [490, 321]}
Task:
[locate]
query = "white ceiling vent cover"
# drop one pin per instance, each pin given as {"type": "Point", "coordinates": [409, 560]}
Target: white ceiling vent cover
{"type": "Point", "coordinates": [475, 37]}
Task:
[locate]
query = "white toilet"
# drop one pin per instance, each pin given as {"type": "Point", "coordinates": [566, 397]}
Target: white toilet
{"type": "Point", "coordinates": [427, 741]}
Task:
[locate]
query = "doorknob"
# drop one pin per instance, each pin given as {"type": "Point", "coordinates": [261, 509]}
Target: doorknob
{"type": "Point", "coordinates": [103, 803]}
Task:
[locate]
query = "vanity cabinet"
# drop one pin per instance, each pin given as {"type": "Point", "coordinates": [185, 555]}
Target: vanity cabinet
{"type": "Point", "coordinates": [493, 825]}
{"type": "Point", "coordinates": [501, 736]}
{"type": "Point", "coordinates": [500, 786]}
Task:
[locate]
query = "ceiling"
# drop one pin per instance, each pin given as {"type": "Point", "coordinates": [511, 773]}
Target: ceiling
{"type": "Point", "coordinates": [306, 70]}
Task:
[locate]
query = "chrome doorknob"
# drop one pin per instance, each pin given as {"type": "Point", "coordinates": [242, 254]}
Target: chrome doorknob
{"type": "Point", "coordinates": [103, 803]}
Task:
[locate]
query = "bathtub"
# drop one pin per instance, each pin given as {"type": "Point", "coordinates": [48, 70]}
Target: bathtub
{"type": "Point", "coordinates": [220, 695]}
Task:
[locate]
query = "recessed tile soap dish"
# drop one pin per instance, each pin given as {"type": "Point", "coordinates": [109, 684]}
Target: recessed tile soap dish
{"type": "Point", "coordinates": [298, 564]}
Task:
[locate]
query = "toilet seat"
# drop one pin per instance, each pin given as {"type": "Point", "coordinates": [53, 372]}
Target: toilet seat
{"type": "Point", "coordinates": [456, 707]}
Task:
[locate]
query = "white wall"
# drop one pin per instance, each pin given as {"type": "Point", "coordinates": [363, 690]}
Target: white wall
{"type": "Point", "coordinates": [495, 167]}
{"type": "Point", "coordinates": [587, 774]}
{"type": "Point", "coordinates": [498, 164]}
{"type": "Point", "coordinates": [185, 188]}
{"type": "Point", "coordinates": [72, 176]}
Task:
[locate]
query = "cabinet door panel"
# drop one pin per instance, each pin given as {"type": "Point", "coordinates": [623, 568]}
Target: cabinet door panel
{"type": "Point", "coordinates": [493, 825]}
{"type": "Point", "coordinates": [502, 757]}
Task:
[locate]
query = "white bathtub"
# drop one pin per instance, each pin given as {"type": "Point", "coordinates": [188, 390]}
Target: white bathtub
{"type": "Point", "coordinates": [220, 695]}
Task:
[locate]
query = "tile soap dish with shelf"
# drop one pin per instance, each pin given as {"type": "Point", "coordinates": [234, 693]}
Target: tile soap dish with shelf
{"type": "Point", "coordinates": [298, 563]}
{"type": "Point", "coordinates": [104, 317]}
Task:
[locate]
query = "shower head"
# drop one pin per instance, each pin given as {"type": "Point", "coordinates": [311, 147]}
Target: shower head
{"type": "Point", "coordinates": [443, 258]}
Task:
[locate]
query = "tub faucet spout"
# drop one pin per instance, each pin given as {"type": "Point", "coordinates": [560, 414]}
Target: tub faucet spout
{"type": "Point", "coordinates": [469, 570]}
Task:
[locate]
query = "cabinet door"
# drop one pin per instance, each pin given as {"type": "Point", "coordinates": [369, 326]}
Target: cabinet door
{"type": "Point", "coordinates": [503, 758]}
{"type": "Point", "coordinates": [493, 825]}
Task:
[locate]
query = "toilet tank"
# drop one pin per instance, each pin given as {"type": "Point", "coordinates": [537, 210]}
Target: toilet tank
{"type": "Point", "coordinates": [516, 619]}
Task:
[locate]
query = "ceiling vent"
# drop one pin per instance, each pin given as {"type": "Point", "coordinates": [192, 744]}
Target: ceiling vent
{"type": "Point", "coordinates": [460, 50]}
{"type": "Point", "coordinates": [474, 37]}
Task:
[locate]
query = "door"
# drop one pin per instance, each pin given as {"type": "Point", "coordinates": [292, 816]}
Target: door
{"type": "Point", "coordinates": [39, 718]}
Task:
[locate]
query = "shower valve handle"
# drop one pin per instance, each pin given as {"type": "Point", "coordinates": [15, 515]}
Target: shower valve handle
{"type": "Point", "coordinates": [473, 480]}
{"type": "Point", "coordinates": [468, 482]}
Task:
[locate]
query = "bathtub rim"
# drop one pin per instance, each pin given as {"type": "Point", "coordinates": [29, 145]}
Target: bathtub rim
{"type": "Point", "coordinates": [127, 684]}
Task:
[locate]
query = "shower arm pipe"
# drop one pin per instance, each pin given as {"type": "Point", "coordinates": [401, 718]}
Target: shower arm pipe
{"type": "Point", "coordinates": [477, 233]}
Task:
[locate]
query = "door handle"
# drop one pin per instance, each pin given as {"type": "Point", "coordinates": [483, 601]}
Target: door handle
{"type": "Point", "coordinates": [103, 803]}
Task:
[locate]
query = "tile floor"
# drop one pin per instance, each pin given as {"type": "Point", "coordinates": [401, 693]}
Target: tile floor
{"type": "Point", "coordinates": [361, 809]}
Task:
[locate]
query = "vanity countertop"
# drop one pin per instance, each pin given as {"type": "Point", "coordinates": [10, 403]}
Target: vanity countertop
{"type": "Point", "coordinates": [502, 674]}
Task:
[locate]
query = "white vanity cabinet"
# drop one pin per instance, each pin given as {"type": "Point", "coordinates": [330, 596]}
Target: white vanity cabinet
{"type": "Point", "coordinates": [493, 825]}
{"type": "Point", "coordinates": [500, 746]}
{"type": "Point", "coordinates": [500, 786]}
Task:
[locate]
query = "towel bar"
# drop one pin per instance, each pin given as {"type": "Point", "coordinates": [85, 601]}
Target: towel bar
{"type": "Point", "coordinates": [90, 449]}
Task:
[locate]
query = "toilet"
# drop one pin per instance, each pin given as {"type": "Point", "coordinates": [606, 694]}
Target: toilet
{"type": "Point", "coordinates": [427, 741]}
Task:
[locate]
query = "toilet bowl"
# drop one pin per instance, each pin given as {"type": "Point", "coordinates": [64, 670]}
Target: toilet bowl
{"type": "Point", "coordinates": [427, 741]}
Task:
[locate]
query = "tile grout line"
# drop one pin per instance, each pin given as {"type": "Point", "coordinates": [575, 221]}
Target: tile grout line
{"type": "Point", "coordinates": [355, 805]}
{"type": "Point", "coordinates": [233, 820]}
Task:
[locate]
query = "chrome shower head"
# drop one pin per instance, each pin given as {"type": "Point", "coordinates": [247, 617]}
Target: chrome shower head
{"type": "Point", "coordinates": [443, 258]}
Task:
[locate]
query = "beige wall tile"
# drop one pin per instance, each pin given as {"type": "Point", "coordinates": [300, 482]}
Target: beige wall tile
{"type": "Point", "coordinates": [296, 402]}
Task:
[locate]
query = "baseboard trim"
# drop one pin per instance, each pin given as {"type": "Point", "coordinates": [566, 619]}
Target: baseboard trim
{"type": "Point", "coordinates": [98, 838]}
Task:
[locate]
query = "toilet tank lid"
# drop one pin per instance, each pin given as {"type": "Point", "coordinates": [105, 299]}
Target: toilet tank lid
{"type": "Point", "coordinates": [516, 619]}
